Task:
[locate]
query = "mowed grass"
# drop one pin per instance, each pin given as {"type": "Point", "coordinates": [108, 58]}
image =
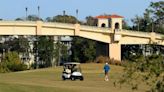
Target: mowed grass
{"type": "Point", "coordinates": [49, 80]}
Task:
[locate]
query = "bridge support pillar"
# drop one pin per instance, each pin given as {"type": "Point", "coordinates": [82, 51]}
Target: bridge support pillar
{"type": "Point", "coordinates": [115, 51]}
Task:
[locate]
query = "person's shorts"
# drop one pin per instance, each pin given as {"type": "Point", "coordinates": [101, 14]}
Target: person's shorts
{"type": "Point", "coordinates": [106, 72]}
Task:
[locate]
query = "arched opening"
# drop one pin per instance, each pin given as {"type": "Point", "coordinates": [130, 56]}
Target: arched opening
{"type": "Point", "coordinates": [103, 25]}
{"type": "Point", "coordinates": [117, 26]}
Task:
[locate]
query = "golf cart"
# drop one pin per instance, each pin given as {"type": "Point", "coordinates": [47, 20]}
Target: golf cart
{"type": "Point", "coordinates": [72, 71]}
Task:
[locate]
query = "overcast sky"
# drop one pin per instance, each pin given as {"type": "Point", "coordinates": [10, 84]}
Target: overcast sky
{"type": "Point", "coordinates": [11, 9]}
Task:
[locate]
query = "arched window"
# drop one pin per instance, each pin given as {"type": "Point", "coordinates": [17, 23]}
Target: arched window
{"type": "Point", "coordinates": [103, 25]}
{"type": "Point", "coordinates": [117, 26]}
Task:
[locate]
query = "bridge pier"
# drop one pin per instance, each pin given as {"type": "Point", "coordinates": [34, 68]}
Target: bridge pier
{"type": "Point", "coordinates": [115, 51]}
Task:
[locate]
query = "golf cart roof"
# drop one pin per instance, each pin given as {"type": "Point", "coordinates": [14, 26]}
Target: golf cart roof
{"type": "Point", "coordinates": [71, 63]}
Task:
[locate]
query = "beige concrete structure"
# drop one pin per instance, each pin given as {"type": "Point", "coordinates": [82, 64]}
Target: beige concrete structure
{"type": "Point", "coordinates": [106, 35]}
{"type": "Point", "coordinates": [115, 51]}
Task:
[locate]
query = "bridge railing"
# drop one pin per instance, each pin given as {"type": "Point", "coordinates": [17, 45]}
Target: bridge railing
{"type": "Point", "coordinates": [17, 21]}
{"type": "Point", "coordinates": [58, 24]}
{"type": "Point", "coordinates": [94, 28]}
{"type": "Point", "coordinates": [139, 33]}
{"type": "Point", "coordinates": [132, 31]}
{"type": "Point", "coordinates": [136, 33]}
{"type": "Point", "coordinates": [51, 24]}
{"type": "Point", "coordinates": [82, 27]}
{"type": "Point", "coordinates": [160, 36]}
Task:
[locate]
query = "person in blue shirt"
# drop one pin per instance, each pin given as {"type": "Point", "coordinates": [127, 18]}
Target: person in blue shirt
{"type": "Point", "coordinates": [106, 70]}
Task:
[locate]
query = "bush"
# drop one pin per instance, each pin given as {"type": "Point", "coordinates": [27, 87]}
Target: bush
{"type": "Point", "coordinates": [145, 69]}
{"type": "Point", "coordinates": [104, 59]}
{"type": "Point", "coordinates": [117, 62]}
{"type": "Point", "coordinates": [12, 62]}
{"type": "Point", "coordinates": [3, 68]}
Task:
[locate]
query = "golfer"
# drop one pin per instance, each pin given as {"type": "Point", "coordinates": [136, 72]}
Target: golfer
{"type": "Point", "coordinates": [106, 70]}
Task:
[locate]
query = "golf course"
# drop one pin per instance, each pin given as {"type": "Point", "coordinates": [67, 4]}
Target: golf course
{"type": "Point", "coordinates": [49, 80]}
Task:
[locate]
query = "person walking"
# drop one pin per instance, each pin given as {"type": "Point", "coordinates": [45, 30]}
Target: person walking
{"type": "Point", "coordinates": [106, 70]}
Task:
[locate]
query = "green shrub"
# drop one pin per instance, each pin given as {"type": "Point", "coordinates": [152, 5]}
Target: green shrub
{"type": "Point", "coordinates": [145, 69]}
{"type": "Point", "coordinates": [3, 68]}
{"type": "Point", "coordinates": [11, 62]}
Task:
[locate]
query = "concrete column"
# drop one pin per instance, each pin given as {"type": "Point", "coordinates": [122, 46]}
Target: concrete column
{"type": "Point", "coordinates": [115, 51]}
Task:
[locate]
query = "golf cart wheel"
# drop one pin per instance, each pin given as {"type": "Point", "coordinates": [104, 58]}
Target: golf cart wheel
{"type": "Point", "coordinates": [63, 78]}
{"type": "Point", "coordinates": [81, 78]}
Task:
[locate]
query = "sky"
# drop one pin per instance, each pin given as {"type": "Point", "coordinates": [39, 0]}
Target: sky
{"type": "Point", "coordinates": [12, 9]}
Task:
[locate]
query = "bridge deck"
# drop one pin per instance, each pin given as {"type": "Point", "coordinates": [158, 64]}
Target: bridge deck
{"type": "Point", "coordinates": [91, 32]}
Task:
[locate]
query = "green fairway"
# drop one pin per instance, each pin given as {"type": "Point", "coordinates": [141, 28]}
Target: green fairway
{"type": "Point", "coordinates": [49, 80]}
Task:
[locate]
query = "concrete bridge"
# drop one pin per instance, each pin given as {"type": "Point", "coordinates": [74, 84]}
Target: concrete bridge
{"type": "Point", "coordinates": [114, 37]}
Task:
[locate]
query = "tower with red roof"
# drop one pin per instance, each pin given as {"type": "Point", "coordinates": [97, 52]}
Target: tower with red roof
{"type": "Point", "coordinates": [110, 21]}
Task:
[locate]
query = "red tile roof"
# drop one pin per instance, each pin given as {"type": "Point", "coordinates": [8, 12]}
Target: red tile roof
{"type": "Point", "coordinates": [108, 16]}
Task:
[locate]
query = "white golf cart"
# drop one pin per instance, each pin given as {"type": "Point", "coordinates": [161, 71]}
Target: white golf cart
{"type": "Point", "coordinates": [72, 71]}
